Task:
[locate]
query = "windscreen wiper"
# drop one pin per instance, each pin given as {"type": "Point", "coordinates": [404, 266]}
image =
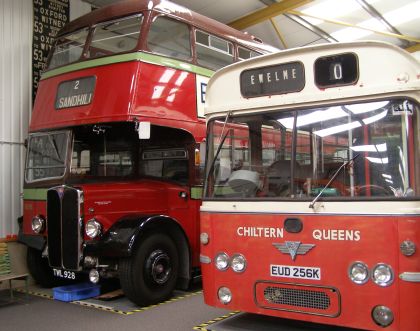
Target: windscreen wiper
{"type": "Point", "coordinates": [221, 142]}
{"type": "Point", "coordinates": [345, 164]}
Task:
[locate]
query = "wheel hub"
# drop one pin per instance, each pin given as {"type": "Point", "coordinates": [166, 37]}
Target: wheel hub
{"type": "Point", "coordinates": [160, 266]}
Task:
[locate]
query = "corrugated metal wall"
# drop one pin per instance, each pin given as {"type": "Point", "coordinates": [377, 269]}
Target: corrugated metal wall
{"type": "Point", "coordinates": [16, 17]}
{"type": "Point", "coordinates": [15, 106]}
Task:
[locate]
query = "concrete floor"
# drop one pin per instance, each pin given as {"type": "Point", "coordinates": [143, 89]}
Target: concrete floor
{"type": "Point", "coordinates": [186, 311]}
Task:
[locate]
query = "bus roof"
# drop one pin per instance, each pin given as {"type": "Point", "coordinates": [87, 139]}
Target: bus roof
{"type": "Point", "coordinates": [382, 70]}
{"type": "Point", "coordinates": [131, 7]}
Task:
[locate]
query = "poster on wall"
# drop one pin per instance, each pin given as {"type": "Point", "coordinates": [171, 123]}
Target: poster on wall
{"type": "Point", "coordinates": [49, 17]}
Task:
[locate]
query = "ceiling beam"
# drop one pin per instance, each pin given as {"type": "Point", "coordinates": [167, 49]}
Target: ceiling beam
{"type": "Point", "coordinates": [374, 13]}
{"type": "Point", "coordinates": [414, 48]}
{"type": "Point", "coordinates": [313, 28]}
{"type": "Point", "coordinates": [388, 34]}
{"type": "Point", "coordinates": [279, 34]}
{"type": "Point", "coordinates": [267, 13]}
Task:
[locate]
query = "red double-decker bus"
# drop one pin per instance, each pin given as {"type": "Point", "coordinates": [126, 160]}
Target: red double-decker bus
{"type": "Point", "coordinates": [311, 208]}
{"type": "Point", "coordinates": [113, 177]}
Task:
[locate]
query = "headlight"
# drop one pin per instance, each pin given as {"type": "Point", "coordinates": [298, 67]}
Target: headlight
{"type": "Point", "coordinates": [94, 276]}
{"type": "Point", "coordinates": [382, 316]}
{"type": "Point", "coordinates": [382, 274]}
{"type": "Point", "coordinates": [359, 273]}
{"type": "Point", "coordinates": [204, 238]}
{"type": "Point", "coordinates": [38, 224]}
{"type": "Point", "coordinates": [222, 261]}
{"type": "Point", "coordinates": [224, 295]}
{"type": "Point", "coordinates": [408, 248]}
{"type": "Point", "coordinates": [238, 263]}
{"type": "Point", "coordinates": [93, 228]}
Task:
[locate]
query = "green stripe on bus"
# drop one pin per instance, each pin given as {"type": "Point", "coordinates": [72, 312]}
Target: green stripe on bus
{"type": "Point", "coordinates": [35, 194]}
{"type": "Point", "coordinates": [138, 56]}
{"type": "Point", "coordinates": [196, 192]}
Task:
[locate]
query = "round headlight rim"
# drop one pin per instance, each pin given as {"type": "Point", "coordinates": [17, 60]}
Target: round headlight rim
{"type": "Point", "coordinates": [41, 222]}
{"type": "Point", "coordinates": [232, 259]}
{"type": "Point", "coordinates": [380, 309]}
{"type": "Point", "coordinates": [227, 293]}
{"type": "Point", "coordinates": [204, 238]}
{"type": "Point", "coordinates": [379, 283]}
{"type": "Point", "coordinates": [98, 228]}
{"type": "Point", "coordinates": [227, 261]}
{"type": "Point", "coordinates": [364, 266]}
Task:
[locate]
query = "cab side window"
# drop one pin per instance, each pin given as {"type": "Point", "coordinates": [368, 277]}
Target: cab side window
{"type": "Point", "coordinates": [168, 164]}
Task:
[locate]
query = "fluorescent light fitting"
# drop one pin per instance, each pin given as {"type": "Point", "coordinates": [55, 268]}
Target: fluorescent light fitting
{"type": "Point", "coordinates": [375, 118]}
{"type": "Point", "coordinates": [331, 9]}
{"type": "Point", "coordinates": [314, 117]}
{"type": "Point", "coordinates": [337, 129]}
{"type": "Point", "coordinates": [378, 160]}
{"type": "Point", "coordinates": [360, 108]}
{"type": "Point", "coordinates": [370, 148]}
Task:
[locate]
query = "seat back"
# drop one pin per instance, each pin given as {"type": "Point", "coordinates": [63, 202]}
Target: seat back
{"type": "Point", "coordinates": [5, 268]}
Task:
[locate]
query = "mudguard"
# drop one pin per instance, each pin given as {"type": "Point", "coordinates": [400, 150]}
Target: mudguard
{"type": "Point", "coordinates": [120, 239]}
{"type": "Point", "coordinates": [35, 241]}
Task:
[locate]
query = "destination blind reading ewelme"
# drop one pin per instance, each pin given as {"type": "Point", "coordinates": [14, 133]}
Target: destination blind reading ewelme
{"type": "Point", "coordinates": [277, 79]}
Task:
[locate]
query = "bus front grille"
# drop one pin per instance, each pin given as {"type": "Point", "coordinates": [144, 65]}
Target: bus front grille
{"type": "Point", "coordinates": [307, 299]}
{"type": "Point", "coordinates": [297, 298]}
{"type": "Point", "coordinates": [64, 227]}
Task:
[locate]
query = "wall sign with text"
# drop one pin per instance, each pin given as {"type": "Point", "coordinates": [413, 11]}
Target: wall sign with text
{"type": "Point", "coordinates": [49, 17]}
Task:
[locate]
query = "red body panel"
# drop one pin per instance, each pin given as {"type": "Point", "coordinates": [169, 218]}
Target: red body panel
{"type": "Point", "coordinates": [351, 304]}
{"type": "Point", "coordinates": [409, 319]}
{"type": "Point", "coordinates": [32, 208]}
{"type": "Point", "coordinates": [111, 99]}
{"type": "Point", "coordinates": [123, 92]}
{"type": "Point", "coordinates": [168, 97]}
{"type": "Point", "coordinates": [108, 202]}
{"type": "Point", "coordinates": [127, 91]}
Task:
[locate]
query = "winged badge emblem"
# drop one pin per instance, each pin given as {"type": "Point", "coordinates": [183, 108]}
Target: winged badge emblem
{"type": "Point", "coordinates": [294, 248]}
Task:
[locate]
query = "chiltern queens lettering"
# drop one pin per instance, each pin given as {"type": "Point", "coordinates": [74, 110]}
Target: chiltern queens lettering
{"type": "Point", "coordinates": [338, 235]}
{"type": "Point", "coordinates": [251, 231]}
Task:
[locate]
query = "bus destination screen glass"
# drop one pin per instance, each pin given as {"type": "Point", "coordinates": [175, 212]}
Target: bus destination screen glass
{"type": "Point", "coordinates": [278, 79]}
{"type": "Point", "coordinates": [336, 70]}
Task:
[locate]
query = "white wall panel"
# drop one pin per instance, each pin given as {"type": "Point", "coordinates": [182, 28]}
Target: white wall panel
{"type": "Point", "coordinates": [15, 106]}
{"type": "Point", "coordinates": [78, 8]}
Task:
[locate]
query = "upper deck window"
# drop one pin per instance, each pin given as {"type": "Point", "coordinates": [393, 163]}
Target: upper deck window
{"type": "Point", "coordinates": [115, 36]}
{"type": "Point", "coordinates": [244, 53]}
{"type": "Point", "coordinates": [68, 48]}
{"type": "Point", "coordinates": [169, 37]}
{"type": "Point", "coordinates": [213, 52]}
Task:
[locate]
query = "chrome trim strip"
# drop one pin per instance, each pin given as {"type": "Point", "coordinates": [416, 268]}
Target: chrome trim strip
{"type": "Point", "coordinates": [413, 277]}
{"type": "Point", "coordinates": [205, 259]}
{"type": "Point", "coordinates": [360, 208]}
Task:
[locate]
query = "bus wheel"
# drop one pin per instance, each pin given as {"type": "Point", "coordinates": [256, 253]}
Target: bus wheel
{"type": "Point", "coordinates": [149, 276]}
{"type": "Point", "coordinates": [39, 268]}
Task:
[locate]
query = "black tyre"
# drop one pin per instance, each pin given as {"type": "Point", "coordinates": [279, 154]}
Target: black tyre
{"type": "Point", "coordinates": [40, 269]}
{"type": "Point", "coordinates": [149, 276]}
